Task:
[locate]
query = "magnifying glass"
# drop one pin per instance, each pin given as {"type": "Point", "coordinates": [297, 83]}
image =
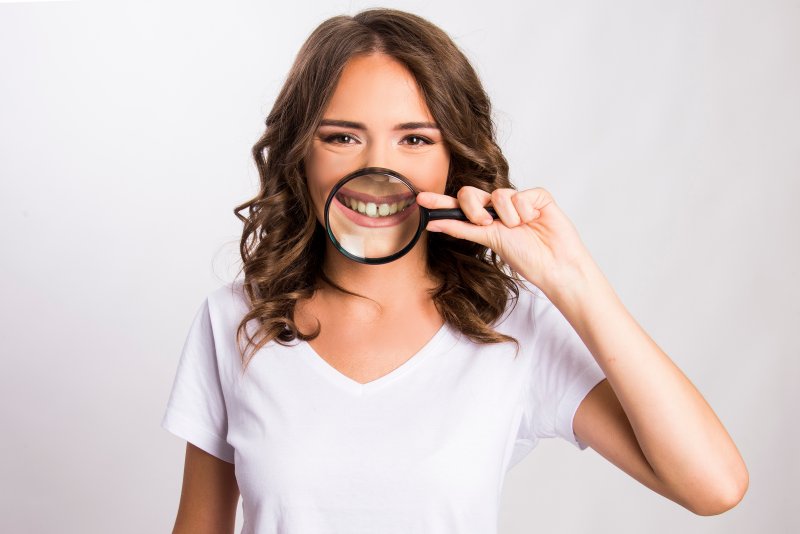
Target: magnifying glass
{"type": "Point", "coordinates": [372, 215]}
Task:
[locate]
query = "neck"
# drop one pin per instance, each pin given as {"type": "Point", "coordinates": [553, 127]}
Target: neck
{"type": "Point", "coordinates": [391, 284]}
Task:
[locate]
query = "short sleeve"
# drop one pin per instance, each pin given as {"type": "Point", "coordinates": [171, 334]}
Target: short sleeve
{"type": "Point", "coordinates": [196, 409]}
{"type": "Point", "coordinates": [563, 371]}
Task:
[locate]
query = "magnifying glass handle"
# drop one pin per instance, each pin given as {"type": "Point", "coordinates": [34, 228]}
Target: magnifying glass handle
{"type": "Point", "coordinates": [455, 213]}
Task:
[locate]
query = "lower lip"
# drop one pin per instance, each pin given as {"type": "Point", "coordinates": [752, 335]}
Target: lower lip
{"type": "Point", "coordinates": [375, 222]}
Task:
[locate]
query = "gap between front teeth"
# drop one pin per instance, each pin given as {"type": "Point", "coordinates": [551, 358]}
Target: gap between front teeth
{"type": "Point", "coordinates": [371, 209]}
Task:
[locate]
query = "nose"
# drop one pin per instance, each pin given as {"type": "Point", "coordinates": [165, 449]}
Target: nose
{"type": "Point", "coordinates": [378, 154]}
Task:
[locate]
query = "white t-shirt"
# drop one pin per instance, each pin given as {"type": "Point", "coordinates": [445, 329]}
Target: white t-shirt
{"type": "Point", "coordinates": [423, 449]}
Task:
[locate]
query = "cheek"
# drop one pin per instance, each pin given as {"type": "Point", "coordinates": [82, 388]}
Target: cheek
{"type": "Point", "coordinates": [322, 173]}
{"type": "Point", "coordinates": [431, 174]}
{"type": "Point", "coordinates": [324, 168]}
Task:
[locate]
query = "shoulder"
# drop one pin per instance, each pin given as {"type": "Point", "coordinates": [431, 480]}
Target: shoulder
{"type": "Point", "coordinates": [523, 310]}
{"type": "Point", "coordinates": [226, 305]}
{"type": "Point", "coordinates": [224, 308]}
{"type": "Point", "coordinates": [228, 300]}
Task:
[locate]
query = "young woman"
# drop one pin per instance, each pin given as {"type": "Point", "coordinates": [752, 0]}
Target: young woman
{"type": "Point", "coordinates": [395, 397]}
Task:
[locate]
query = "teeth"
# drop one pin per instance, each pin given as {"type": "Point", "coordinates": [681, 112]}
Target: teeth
{"type": "Point", "coordinates": [371, 209]}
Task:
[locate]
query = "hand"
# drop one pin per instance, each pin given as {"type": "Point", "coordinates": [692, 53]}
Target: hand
{"type": "Point", "coordinates": [533, 236]}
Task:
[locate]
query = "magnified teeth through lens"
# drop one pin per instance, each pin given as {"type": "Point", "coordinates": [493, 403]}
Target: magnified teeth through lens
{"type": "Point", "coordinates": [374, 209]}
{"type": "Point", "coordinates": [372, 215]}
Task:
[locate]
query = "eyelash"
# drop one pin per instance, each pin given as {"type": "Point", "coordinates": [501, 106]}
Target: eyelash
{"type": "Point", "coordinates": [331, 139]}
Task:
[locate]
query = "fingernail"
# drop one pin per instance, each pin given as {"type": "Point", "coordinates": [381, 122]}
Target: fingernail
{"type": "Point", "coordinates": [488, 220]}
{"type": "Point", "coordinates": [433, 228]}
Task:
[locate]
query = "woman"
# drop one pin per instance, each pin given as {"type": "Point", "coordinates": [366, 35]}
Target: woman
{"type": "Point", "coordinates": [395, 397]}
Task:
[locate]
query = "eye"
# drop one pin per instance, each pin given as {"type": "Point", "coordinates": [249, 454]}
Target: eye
{"type": "Point", "coordinates": [340, 139]}
{"type": "Point", "coordinates": [417, 140]}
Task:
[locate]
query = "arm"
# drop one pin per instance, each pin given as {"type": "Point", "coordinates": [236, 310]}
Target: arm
{"type": "Point", "coordinates": [647, 417]}
{"type": "Point", "coordinates": [209, 496]}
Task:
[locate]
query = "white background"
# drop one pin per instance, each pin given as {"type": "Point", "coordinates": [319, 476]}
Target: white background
{"type": "Point", "coordinates": [667, 131]}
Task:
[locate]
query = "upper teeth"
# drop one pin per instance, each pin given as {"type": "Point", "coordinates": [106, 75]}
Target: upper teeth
{"type": "Point", "coordinates": [371, 209]}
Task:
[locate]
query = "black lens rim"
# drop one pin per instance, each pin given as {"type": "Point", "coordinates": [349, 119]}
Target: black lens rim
{"type": "Point", "coordinates": [423, 215]}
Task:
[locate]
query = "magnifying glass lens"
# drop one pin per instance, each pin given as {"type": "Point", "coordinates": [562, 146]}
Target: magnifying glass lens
{"type": "Point", "coordinates": [373, 216]}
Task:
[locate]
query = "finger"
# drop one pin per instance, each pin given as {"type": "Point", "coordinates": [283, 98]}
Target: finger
{"type": "Point", "coordinates": [472, 201]}
{"type": "Point", "coordinates": [460, 230]}
{"type": "Point", "coordinates": [431, 200]}
{"type": "Point", "coordinates": [525, 209]}
{"type": "Point", "coordinates": [537, 198]}
{"type": "Point", "coordinates": [505, 208]}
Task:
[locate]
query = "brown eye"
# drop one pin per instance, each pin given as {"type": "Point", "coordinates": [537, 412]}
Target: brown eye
{"type": "Point", "coordinates": [340, 139]}
{"type": "Point", "coordinates": [417, 140]}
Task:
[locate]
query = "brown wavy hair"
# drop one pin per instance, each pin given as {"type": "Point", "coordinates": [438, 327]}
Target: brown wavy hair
{"type": "Point", "coordinates": [283, 244]}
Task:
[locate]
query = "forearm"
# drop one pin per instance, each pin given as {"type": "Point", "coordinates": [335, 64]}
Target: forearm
{"type": "Point", "coordinates": [686, 445]}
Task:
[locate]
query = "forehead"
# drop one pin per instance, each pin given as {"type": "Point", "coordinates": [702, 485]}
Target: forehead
{"type": "Point", "coordinates": [377, 90]}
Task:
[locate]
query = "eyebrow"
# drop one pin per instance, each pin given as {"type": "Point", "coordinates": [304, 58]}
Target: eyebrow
{"type": "Point", "coordinates": [361, 126]}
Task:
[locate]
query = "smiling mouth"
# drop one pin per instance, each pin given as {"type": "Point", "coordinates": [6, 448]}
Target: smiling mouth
{"type": "Point", "coordinates": [372, 206]}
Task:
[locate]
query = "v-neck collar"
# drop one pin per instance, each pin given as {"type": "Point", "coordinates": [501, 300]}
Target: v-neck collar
{"type": "Point", "coordinates": [356, 388]}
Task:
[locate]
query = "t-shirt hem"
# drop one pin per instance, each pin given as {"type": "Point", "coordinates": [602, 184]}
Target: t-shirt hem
{"type": "Point", "coordinates": [183, 427]}
{"type": "Point", "coordinates": [583, 384]}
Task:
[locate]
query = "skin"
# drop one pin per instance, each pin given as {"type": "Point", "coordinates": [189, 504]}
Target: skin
{"type": "Point", "coordinates": [380, 94]}
{"type": "Point", "coordinates": [209, 496]}
{"type": "Point", "coordinates": [646, 417]}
